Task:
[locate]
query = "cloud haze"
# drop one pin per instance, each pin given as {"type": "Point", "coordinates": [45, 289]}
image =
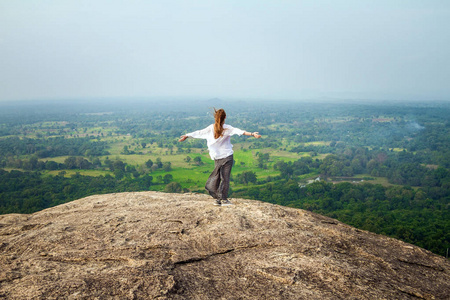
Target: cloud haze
{"type": "Point", "coordinates": [250, 49]}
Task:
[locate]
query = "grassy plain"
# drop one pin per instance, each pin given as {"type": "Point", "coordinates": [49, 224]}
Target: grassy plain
{"type": "Point", "coordinates": [374, 180]}
{"type": "Point", "coordinates": [188, 174]}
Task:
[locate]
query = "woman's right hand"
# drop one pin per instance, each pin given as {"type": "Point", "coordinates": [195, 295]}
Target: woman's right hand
{"type": "Point", "coordinates": [256, 135]}
{"type": "Point", "coordinates": [183, 138]}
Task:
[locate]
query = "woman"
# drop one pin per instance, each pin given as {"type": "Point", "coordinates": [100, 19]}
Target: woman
{"type": "Point", "coordinates": [217, 136]}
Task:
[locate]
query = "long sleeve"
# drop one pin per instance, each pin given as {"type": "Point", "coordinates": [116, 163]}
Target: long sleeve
{"type": "Point", "coordinates": [201, 134]}
{"type": "Point", "coordinates": [234, 130]}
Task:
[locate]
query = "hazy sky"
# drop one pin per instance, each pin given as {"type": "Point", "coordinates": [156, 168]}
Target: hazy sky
{"type": "Point", "coordinates": [227, 49]}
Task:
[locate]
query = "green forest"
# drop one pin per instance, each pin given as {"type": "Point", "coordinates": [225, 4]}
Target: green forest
{"type": "Point", "coordinates": [382, 167]}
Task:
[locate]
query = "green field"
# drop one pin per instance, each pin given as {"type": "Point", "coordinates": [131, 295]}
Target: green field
{"type": "Point", "coordinates": [68, 173]}
{"type": "Point", "coordinates": [189, 174]}
{"type": "Point", "coordinates": [359, 178]}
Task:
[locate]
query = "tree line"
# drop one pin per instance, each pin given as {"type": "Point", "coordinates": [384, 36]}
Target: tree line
{"type": "Point", "coordinates": [52, 147]}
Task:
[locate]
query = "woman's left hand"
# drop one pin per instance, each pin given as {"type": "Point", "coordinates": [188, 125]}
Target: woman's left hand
{"type": "Point", "coordinates": [182, 138]}
{"type": "Point", "coordinates": [256, 135]}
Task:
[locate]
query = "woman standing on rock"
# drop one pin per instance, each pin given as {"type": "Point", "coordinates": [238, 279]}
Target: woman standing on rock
{"type": "Point", "coordinates": [217, 136]}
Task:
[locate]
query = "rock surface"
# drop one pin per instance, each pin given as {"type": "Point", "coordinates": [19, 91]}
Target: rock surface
{"type": "Point", "coordinates": [151, 245]}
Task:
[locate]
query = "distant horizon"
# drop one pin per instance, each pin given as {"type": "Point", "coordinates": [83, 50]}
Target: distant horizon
{"type": "Point", "coordinates": [224, 99]}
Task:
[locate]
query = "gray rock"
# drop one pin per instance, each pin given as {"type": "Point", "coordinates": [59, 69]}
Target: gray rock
{"type": "Point", "coordinates": [153, 245]}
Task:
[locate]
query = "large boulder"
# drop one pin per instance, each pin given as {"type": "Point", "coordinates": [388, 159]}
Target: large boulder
{"type": "Point", "coordinates": [151, 245]}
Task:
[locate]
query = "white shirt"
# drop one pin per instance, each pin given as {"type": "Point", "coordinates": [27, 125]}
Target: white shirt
{"type": "Point", "coordinates": [221, 147]}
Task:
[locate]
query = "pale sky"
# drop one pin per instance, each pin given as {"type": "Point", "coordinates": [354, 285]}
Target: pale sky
{"type": "Point", "coordinates": [252, 49]}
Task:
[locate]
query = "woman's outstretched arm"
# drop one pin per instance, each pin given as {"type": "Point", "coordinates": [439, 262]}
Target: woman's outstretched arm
{"type": "Point", "coordinates": [254, 134]}
{"type": "Point", "coordinates": [199, 134]}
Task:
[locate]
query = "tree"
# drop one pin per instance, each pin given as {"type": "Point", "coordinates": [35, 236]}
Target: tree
{"type": "Point", "coordinates": [287, 172]}
{"type": "Point", "coordinates": [198, 160]}
{"type": "Point", "coordinates": [167, 178]}
{"type": "Point", "coordinates": [149, 163]}
{"type": "Point", "coordinates": [71, 162]}
{"type": "Point", "coordinates": [300, 167]}
{"type": "Point", "coordinates": [173, 187]}
{"type": "Point", "coordinates": [262, 159]}
{"type": "Point", "coordinates": [119, 174]}
{"type": "Point", "coordinates": [146, 181]}
{"type": "Point", "coordinates": [167, 166]}
{"type": "Point", "coordinates": [96, 162]}
{"type": "Point", "coordinates": [83, 163]}
{"type": "Point", "coordinates": [286, 169]}
{"type": "Point", "coordinates": [51, 165]}
{"type": "Point", "coordinates": [159, 162]}
{"type": "Point", "coordinates": [246, 177]}
{"type": "Point", "coordinates": [118, 165]}
{"type": "Point", "coordinates": [34, 162]}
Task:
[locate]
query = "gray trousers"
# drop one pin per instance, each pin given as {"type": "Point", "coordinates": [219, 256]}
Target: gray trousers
{"type": "Point", "coordinates": [218, 182]}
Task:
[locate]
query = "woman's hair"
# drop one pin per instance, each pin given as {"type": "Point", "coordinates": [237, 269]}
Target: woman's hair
{"type": "Point", "coordinates": [219, 117]}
